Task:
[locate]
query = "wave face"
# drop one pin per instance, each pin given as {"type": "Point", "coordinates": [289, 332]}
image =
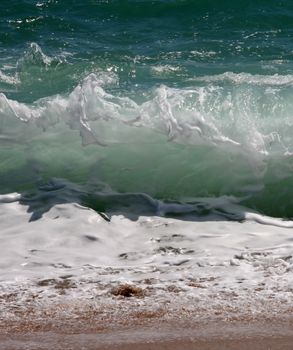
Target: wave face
{"type": "Point", "coordinates": [173, 107]}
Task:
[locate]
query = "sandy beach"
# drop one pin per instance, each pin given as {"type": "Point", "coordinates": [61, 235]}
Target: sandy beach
{"type": "Point", "coordinates": [275, 334]}
{"type": "Point", "coordinates": [144, 323]}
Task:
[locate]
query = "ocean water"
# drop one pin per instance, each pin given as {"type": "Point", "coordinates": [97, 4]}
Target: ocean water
{"type": "Point", "coordinates": [174, 99]}
{"type": "Point", "coordinates": [145, 112]}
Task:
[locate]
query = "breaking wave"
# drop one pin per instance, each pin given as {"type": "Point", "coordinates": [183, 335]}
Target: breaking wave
{"type": "Point", "coordinates": [202, 141]}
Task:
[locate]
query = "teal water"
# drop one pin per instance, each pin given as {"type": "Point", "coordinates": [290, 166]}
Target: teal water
{"type": "Point", "coordinates": [174, 99]}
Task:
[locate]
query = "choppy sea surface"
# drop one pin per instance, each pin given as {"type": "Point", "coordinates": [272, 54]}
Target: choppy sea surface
{"type": "Point", "coordinates": [147, 135]}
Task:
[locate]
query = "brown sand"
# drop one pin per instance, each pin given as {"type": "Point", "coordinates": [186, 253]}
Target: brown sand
{"type": "Point", "coordinates": [58, 343]}
{"type": "Point", "coordinates": [240, 335]}
{"type": "Point", "coordinates": [128, 318]}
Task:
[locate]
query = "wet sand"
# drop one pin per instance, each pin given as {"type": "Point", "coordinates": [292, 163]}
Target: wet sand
{"type": "Point", "coordinates": [218, 344]}
{"type": "Point", "coordinates": [276, 334]}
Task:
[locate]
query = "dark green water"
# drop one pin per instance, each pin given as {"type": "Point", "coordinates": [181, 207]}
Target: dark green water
{"type": "Point", "coordinates": [175, 99]}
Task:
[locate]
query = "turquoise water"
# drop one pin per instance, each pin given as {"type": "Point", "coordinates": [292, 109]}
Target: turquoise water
{"type": "Point", "coordinates": [175, 99]}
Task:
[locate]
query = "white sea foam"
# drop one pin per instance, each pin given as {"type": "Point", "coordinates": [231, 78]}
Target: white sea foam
{"type": "Point", "coordinates": [203, 54]}
{"type": "Point", "coordinates": [201, 115]}
{"type": "Point", "coordinates": [8, 79]}
{"type": "Point", "coordinates": [217, 255]}
{"type": "Point", "coordinates": [247, 78]}
{"type": "Point", "coordinates": [165, 69]}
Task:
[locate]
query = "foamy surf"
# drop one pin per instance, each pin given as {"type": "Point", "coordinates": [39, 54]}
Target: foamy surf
{"type": "Point", "coordinates": [75, 258]}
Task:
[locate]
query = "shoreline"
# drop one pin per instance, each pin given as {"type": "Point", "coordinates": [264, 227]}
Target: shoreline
{"type": "Point", "coordinates": [71, 317]}
{"type": "Point", "coordinates": [154, 283]}
{"type": "Point", "coordinates": [274, 334]}
{"type": "Point", "coordinates": [145, 323]}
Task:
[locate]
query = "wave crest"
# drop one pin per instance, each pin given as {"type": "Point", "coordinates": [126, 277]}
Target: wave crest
{"type": "Point", "coordinates": [35, 56]}
{"type": "Point", "coordinates": [256, 118]}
